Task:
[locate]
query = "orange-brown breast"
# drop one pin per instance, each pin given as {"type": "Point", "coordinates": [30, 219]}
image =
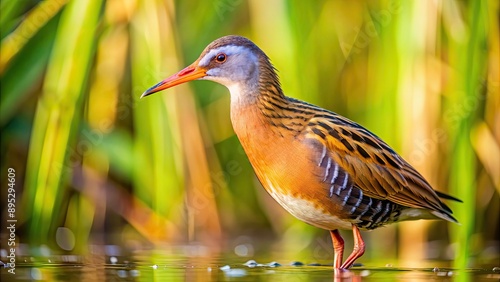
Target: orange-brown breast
{"type": "Point", "coordinates": [284, 165]}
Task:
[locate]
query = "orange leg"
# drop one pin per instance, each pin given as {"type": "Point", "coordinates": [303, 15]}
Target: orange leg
{"type": "Point", "coordinates": [338, 247]}
{"type": "Point", "coordinates": [358, 251]}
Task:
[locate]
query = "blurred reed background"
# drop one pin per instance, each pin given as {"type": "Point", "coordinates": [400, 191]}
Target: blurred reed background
{"type": "Point", "coordinates": [97, 166]}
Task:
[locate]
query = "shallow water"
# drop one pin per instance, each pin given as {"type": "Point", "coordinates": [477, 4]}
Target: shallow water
{"type": "Point", "coordinates": [157, 267]}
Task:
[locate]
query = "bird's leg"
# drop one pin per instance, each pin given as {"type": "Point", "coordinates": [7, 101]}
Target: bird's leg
{"type": "Point", "coordinates": [359, 248]}
{"type": "Point", "coordinates": [338, 248]}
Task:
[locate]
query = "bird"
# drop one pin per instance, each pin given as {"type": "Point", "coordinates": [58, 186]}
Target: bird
{"type": "Point", "coordinates": [321, 167]}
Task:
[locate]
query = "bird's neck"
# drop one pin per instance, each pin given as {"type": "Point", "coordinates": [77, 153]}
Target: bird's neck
{"type": "Point", "coordinates": [258, 100]}
{"type": "Point", "coordinates": [265, 112]}
{"type": "Point", "coordinates": [260, 110]}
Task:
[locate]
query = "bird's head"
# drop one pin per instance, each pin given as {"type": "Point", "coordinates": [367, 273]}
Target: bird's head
{"type": "Point", "coordinates": [232, 61]}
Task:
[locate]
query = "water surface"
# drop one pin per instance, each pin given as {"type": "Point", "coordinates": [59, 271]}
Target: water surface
{"type": "Point", "coordinates": [154, 266]}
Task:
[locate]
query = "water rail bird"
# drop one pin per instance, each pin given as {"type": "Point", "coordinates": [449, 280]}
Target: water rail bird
{"type": "Point", "coordinates": [323, 168]}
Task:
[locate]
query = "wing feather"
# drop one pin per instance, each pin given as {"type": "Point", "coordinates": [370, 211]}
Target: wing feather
{"type": "Point", "coordinates": [371, 164]}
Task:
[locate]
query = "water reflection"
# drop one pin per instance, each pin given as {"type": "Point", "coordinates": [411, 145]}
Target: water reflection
{"type": "Point", "coordinates": [110, 264]}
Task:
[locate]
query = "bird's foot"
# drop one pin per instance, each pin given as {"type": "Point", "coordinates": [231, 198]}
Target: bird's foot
{"type": "Point", "coordinates": [342, 273]}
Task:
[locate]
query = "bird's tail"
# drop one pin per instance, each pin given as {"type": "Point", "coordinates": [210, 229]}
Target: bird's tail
{"type": "Point", "coordinates": [447, 197]}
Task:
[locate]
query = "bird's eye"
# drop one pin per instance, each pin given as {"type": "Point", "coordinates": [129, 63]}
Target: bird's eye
{"type": "Point", "coordinates": [220, 58]}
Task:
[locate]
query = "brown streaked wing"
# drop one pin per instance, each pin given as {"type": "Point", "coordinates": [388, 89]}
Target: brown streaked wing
{"type": "Point", "coordinates": [371, 164]}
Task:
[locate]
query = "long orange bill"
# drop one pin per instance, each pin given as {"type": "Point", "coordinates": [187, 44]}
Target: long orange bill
{"type": "Point", "coordinates": [189, 73]}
